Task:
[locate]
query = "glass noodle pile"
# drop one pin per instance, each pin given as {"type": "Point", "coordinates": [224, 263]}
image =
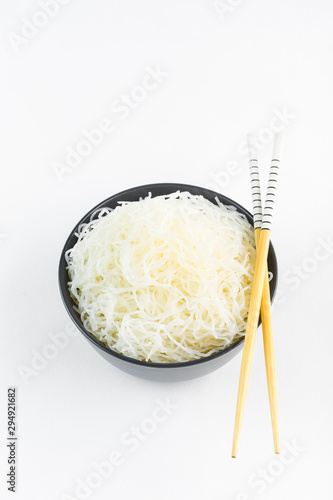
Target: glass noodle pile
{"type": "Point", "coordinates": [165, 279]}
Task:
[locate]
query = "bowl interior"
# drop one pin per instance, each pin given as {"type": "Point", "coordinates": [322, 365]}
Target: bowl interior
{"type": "Point", "coordinates": [135, 194]}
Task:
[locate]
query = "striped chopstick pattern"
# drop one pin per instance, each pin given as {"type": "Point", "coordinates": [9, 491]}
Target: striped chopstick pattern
{"type": "Point", "coordinates": [272, 185]}
{"type": "Point", "coordinates": [255, 193]}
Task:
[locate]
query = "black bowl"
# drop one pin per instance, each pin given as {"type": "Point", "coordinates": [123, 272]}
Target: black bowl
{"type": "Point", "coordinates": [157, 371]}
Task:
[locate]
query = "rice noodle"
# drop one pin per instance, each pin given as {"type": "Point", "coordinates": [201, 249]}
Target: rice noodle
{"type": "Point", "coordinates": [164, 279]}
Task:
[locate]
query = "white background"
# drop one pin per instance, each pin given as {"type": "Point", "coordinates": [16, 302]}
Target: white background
{"type": "Point", "coordinates": [227, 74]}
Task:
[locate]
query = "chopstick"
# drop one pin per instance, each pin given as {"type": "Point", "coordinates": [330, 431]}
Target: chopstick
{"type": "Point", "coordinates": [266, 313]}
{"type": "Point", "coordinates": [257, 289]}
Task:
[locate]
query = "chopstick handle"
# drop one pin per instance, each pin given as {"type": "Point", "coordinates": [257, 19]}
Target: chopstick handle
{"type": "Point", "coordinates": [272, 184]}
{"type": "Point", "coordinates": [255, 184]}
{"type": "Point", "coordinates": [255, 193]}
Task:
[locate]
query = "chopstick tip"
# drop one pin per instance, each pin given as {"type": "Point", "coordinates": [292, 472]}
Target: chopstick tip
{"type": "Point", "coordinates": [277, 145]}
{"type": "Point", "coordinates": [253, 154]}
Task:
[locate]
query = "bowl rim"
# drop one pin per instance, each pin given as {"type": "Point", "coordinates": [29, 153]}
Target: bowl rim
{"type": "Point", "coordinates": [69, 303]}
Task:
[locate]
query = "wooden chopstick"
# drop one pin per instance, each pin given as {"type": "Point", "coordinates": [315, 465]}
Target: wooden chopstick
{"type": "Point", "coordinates": [257, 289]}
{"type": "Point", "coordinates": [266, 313]}
{"type": "Point", "coordinates": [267, 332]}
